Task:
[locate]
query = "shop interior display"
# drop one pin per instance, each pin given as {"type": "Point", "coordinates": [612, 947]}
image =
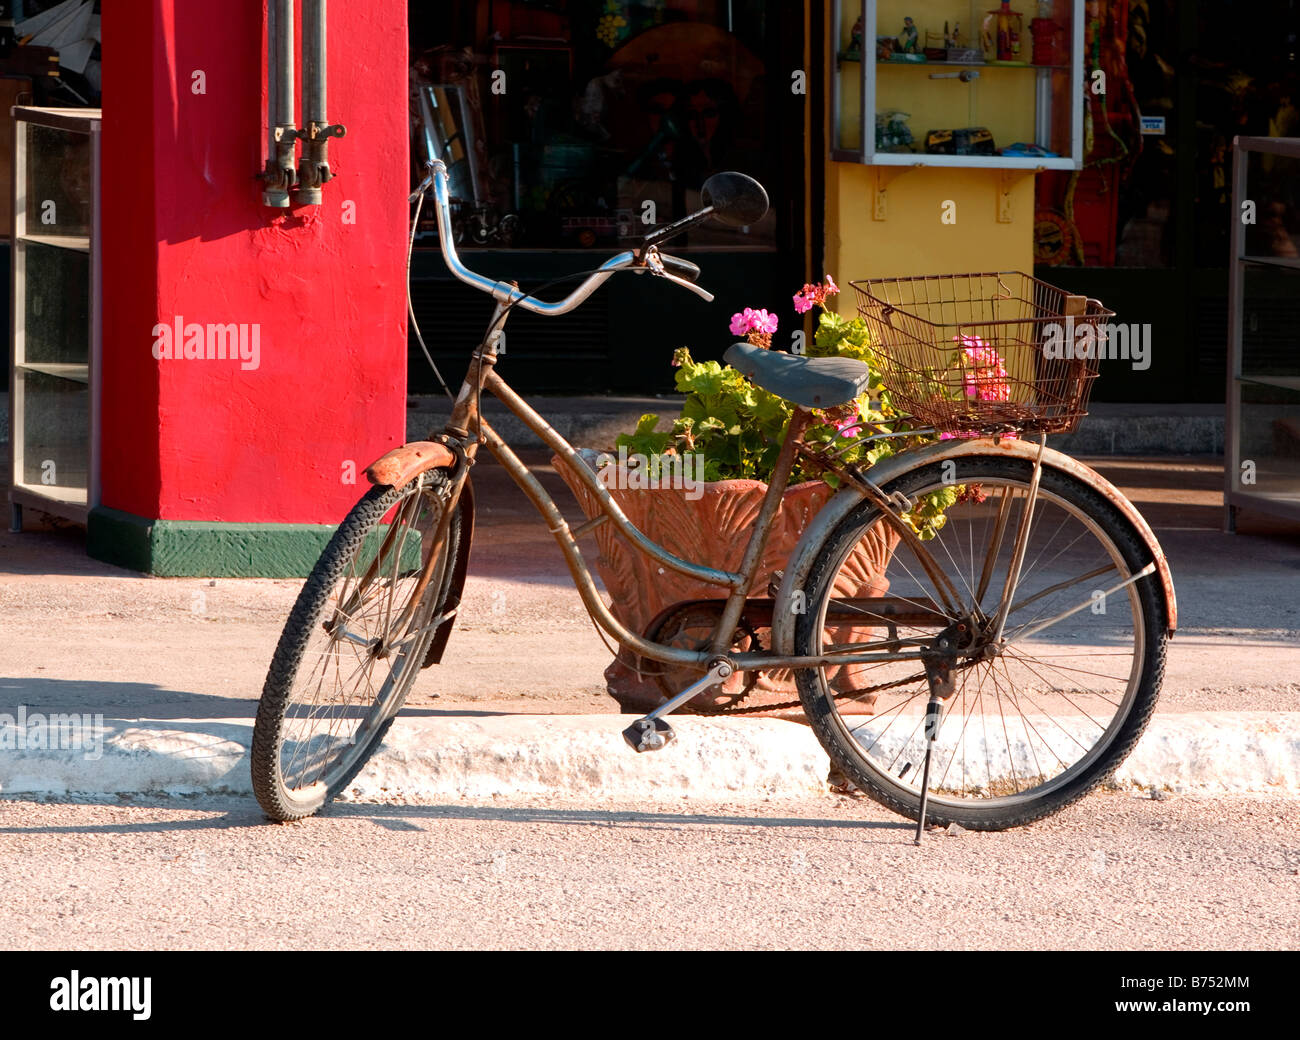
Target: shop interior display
{"type": "Point", "coordinates": [981, 95]}
{"type": "Point", "coordinates": [577, 124]}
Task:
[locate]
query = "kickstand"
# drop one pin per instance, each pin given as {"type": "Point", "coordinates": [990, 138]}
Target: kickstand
{"type": "Point", "coordinates": [933, 711]}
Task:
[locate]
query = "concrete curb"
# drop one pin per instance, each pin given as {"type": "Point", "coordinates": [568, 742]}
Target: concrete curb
{"type": "Point", "coordinates": [583, 758]}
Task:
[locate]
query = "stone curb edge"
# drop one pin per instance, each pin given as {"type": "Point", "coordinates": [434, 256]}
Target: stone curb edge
{"type": "Point", "coordinates": [582, 758]}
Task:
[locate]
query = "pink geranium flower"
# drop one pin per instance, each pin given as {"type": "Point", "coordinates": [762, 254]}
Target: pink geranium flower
{"type": "Point", "coordinates": [750, 320]}
{"type": "Point", "coordinates": [984, 376]}
{"type": "Point", "coordinates": [740, 321]}
{"type": "Point", "coordinates": [815, 294]}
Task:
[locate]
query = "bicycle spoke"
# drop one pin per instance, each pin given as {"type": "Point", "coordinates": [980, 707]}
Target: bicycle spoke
{"type": "Point", "coordinates": [1030, 712]}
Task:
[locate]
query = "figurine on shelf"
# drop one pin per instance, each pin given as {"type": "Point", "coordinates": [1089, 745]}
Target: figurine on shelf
{"type": "Point", "coordinates": [1000, 35]}
{"type": "Point", "coordinates": [908, 39]}
{"type": "Point", "coordinates": [959, 50]}
{"type": "Point", "coordinates": [892, 132]}
{"type": "Point", "coordinates": [854, 50]}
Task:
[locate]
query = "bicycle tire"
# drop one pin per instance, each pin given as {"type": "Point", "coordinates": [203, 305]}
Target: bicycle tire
{"type": "Point", "coordinates": [279, 800]}
{"type": "Point", "coordinates": [845, 750]}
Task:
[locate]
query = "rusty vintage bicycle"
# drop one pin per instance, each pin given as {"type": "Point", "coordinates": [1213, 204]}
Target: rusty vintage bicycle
{"type": "Point", "coordinates": [987, 675]}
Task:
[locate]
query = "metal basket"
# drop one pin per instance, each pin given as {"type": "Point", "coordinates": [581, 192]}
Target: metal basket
{"type": "Point", "coordinates": [984, 353]}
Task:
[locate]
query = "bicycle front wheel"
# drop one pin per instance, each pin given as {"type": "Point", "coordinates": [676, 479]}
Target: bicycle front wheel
{"type": "Point", "coordinates": [351, 648]}
{"type": "Point", "coordinates": [1035, 719]}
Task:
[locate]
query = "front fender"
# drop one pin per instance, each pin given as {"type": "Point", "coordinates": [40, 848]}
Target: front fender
{"type": "Point", "coordinates": [402, 465]}
{"type": "Point", "coordinates": [847, 498]}
{"type": "Point", "coordinates": [465, 509]}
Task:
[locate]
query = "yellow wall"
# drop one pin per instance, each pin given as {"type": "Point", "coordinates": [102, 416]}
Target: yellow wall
{"type": "Point", "coordinates": [913, 239]}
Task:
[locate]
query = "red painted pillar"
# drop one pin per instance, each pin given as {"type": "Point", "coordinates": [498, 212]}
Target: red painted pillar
{"type": "Point", "coordinates": [310, 301]}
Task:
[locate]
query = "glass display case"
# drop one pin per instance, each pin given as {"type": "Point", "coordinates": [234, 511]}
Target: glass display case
{"type": "Point", "coordinates": [54, 336]}
{"type": "Point", "coordinates": [965, 83]}
{"type": "Point", "coordinates": [1262, 436]}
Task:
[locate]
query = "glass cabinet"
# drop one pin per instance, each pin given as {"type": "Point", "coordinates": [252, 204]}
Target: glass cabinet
{"type": "Point", "coordinates": [966, 83]}
{"type": "Point", "coordinates": [54, 337]}
{"type": "Point", "coordinates": [1262, 437]}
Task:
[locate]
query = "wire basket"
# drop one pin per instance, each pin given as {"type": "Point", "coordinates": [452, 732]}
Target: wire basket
{"type": "Point", "coordinates": [984, 353]}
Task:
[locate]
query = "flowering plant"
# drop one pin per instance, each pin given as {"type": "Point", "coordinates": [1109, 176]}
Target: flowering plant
{"type": "Point", "coordinates": [738, 427]}
{"type": "Point", "coordinates": [756, 326]}
{"type": "Point", "coordinates": [983, 377]}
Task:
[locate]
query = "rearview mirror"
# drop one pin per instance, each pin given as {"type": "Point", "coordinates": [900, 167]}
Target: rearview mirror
{"type": "Point", "coordinates": [737, 199]}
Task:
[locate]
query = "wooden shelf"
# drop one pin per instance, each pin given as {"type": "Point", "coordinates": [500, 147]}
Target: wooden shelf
{"type": "Point", "coordinates": [1273, 261]}
{"type": "Point", "coordinates": [77, 243]}
{"type": "Point", "coordinates": [1280, 382]}
{"type": "Point", "coordinates": [68, 438]}
{"type": "Point", "coordinates": [963, 65]}
{"type": "Point", "coordinates": [989, 162]}
{"type": "Point", "coordinates": [76, 373]}
{"type": "Point", "coordinates": [69, 503]}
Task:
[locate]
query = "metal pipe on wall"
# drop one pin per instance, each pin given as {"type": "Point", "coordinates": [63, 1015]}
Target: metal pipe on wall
{"type": "Point", "coordinates": [314, 169]}
{"type": "Point", "coordinates": [282, 128]}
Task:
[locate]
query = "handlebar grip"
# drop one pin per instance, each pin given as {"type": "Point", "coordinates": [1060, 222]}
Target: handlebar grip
{"type": "Point", "coordinates": [681, 268]}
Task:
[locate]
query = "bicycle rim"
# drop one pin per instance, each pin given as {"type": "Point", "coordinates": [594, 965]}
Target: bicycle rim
{"type": "Point", "coordinates": [1028, 728]}
{"type": "Point", "coordinates": [347, 658]}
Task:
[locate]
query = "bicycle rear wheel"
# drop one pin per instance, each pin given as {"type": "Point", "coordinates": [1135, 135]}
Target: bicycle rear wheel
{"type": "Point", "coordinates": [346, 658]}
{"type": "Point", "coordinates": [1033, 723]}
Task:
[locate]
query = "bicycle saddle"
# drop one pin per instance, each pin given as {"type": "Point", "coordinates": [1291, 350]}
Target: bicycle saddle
{"type": "Point", "coordinates": [807, 382]}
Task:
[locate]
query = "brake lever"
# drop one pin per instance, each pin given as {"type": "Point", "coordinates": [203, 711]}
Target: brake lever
{"type": "Point", "coordinates": [425, 184]}
{"type": "Point", "coordinates": [703, 294]}
{"type": "Point", "coordinates": [655, 266]}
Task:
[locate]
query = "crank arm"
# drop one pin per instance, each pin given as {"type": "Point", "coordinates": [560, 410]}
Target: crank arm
{"type": "Point", "coordinates": [651, 732]}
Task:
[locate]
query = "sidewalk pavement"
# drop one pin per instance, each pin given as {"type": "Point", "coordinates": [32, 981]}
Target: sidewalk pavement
{"type": "Point", "coordinates": [175, 667]}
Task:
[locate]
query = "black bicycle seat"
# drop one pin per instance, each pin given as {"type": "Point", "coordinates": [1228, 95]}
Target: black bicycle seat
{"type": "Point", "coordinates": [807, 382]}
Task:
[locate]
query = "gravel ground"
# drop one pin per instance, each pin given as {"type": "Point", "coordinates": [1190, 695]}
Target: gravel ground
{"type": "Point", "coordinates": [1117, 872]}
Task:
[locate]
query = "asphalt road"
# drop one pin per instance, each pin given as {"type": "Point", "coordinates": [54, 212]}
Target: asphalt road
{"type": "Point", "coordinates": [1115, 872]}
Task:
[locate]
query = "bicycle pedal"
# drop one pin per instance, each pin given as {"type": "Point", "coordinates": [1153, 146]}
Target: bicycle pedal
{"type": "Point", "coordinates": [648, 735]}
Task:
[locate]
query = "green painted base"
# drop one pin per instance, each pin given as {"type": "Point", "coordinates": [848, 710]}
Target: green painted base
{"type": "Point", "coordinates": [199, 549]}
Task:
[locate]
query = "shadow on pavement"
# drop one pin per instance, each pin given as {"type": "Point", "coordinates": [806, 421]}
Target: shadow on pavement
{"type": "Point", "coordinates": [147, 702]}
{"type": "Point", "coordinates": [240, 813]}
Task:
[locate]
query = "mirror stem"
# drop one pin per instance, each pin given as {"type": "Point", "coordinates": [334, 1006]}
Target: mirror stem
{"type": "Point", "coordinates": [676, 228]}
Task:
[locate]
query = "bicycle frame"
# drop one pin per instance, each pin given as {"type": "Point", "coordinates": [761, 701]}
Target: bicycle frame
{"type": "Point", "coordinates": [466, 417]}
{"type": "Point", "coordinates": [467, 429]}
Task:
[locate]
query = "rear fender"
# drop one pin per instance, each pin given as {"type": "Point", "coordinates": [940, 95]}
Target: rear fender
{"type": "Point", "coordinates": [795, 578]}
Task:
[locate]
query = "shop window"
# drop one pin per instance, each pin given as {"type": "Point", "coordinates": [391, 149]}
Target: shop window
{"type": "Point", "coordinates": [1248, 87]}
{"type": "Point", "coordinates": [577, 124]}
{"type": "Point", "coordinates": [1119, 210]}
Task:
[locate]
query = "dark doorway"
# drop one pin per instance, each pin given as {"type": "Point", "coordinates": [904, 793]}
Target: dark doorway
{"type": "Point", "coordinates": [1147, 226]}
{"type": "Point", "coordinates": [570, 128]}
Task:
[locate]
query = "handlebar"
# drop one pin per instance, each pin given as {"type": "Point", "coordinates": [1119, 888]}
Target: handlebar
{"type": "Point", "coordinates": [681, 268]}
{"type": "Point", "coordinates": [674, 269]}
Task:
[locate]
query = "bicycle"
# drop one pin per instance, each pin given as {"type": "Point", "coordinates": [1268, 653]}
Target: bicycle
{"type": "Point", "coordinates": [1007, 664]}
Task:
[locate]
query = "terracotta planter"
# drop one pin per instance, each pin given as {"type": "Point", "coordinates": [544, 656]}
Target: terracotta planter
{"type": "Point", "coordinates": [713, 528]}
